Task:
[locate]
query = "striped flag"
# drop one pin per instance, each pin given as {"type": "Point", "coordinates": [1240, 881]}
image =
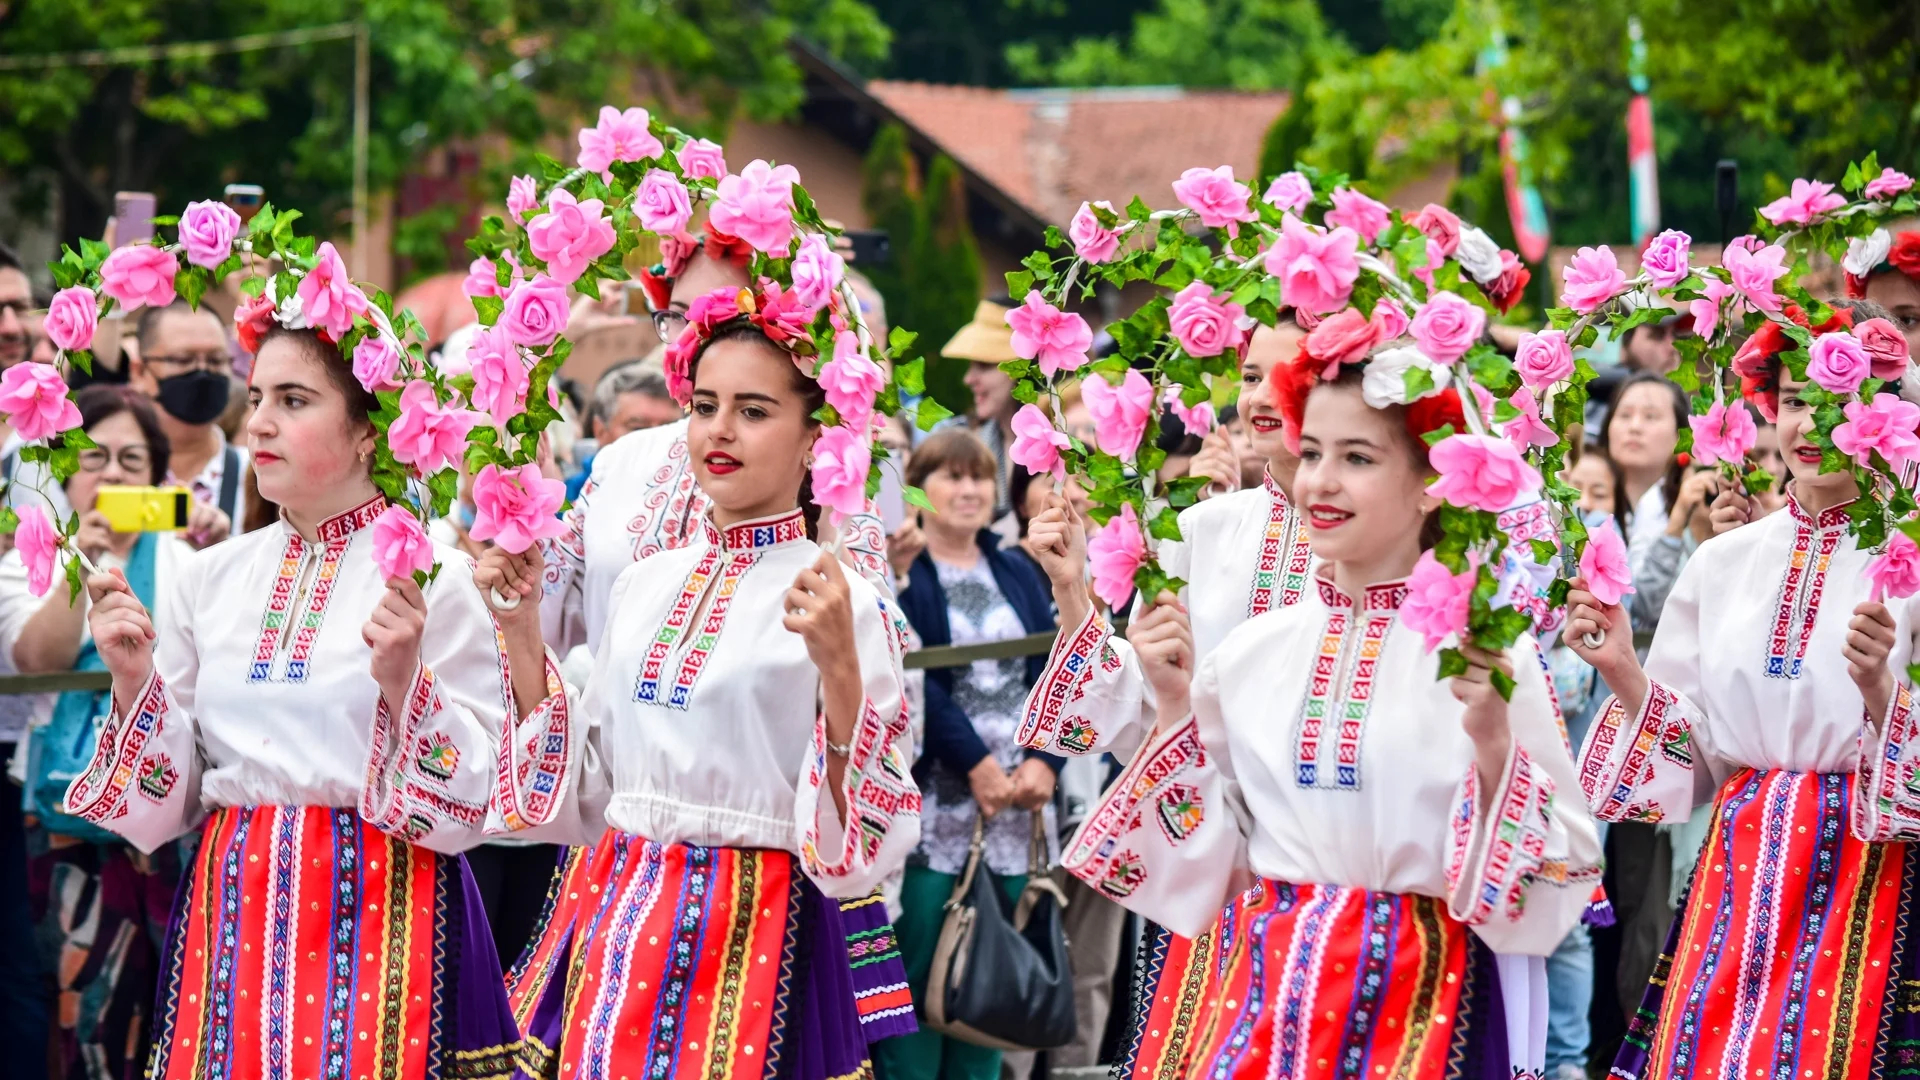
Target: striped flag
{"type": "Point", "coordinates": [1643, 168]}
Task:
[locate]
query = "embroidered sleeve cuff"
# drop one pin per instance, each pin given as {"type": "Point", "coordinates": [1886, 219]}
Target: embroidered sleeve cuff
{"type": "Point", "coordinates": [1640, 768]}
{"type": "Point", "coordinates": [126, 754]}
{"type": "Point", "coordinates": [1886, 803]}
{"type": "Point", "coordinates": [1053, 720]}
{"type": "Point", "coordinates": [878, 789]}
{"type": "Point", "coordinates": [410, 766]}
{"type": "Point", "coordinates": [534, 756]}
{"type": "Point", "coordinates": [1495, 856]}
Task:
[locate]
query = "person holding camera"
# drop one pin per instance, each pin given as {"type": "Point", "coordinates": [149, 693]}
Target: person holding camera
{"type": "Point", "coordinates": [99, 904]}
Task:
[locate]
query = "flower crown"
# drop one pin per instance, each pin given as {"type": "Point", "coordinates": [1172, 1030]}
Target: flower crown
{"type": "Point", "coordinates": [637, 177]}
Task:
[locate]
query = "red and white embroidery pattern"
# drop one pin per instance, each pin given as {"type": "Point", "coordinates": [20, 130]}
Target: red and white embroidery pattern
{"type": "Point", "coordinates": [1281, 568]}
{"type": "Point", "coordinates": [1091, 854]}
{"type": "Point", "coordinates": [1340, 691]}
{"type": "Point", "coordinates": [1887, 803]}
{"type": "Point", "coordinates": [157, 777]}
{"type": "Point", "coordinates": [741, 547]}
{"type": "Point", "coordinates": [533, 759]}
{"type": "Point", "coordinates": [1798, 602]}
{"type": "Point", "coordinates": [334, 534]}
{"type": "Point", "coordinates": [1069, 669]}
{"type": "Point", "coordinates": [674, 507]}
{"type": "Point", "coordinates": [1515, 848]}
{"type": "Point", "coordinates": [398, 798]}
{"type": "Point", "coordinates": [100, 795]}
{"type": "Point", "coordinates": [877, 784]}
{"type": "Point", "coordinates": [1619, 762]}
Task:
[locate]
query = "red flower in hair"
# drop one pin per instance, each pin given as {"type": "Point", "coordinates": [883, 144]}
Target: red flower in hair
{"type": "Point", "coordinates": [723, 248]}
{"type": "Point", "coordinates": [782, 319]}
{"type": "Point", "coordinates": [1758, 351]}
{"type": "Point", "coordinates": [1904, 256]}
{"type": "Point", "coordinates": [658, 285]}
{"type": "Point", "coordinates": [1764, 392]}
{"type": "Point", "coordinates": [675, 253]}
{"type": "Point", "coordinates": [1294, 380]}
{"type": "Point", "coordinates": [252, 319]}
{"type": "Point", "coordinates": [1432, 413]}
{"type": "Point", "coordinates": [1506, 290]}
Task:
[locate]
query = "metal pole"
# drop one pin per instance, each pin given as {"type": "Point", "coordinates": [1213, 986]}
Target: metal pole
{"type": "Point", "coordinates": [360, 122]}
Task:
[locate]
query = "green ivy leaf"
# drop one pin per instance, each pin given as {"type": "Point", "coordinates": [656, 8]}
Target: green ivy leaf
{"type": "Point", "coordinates": [1502, 684]}
{"type": "Point", "coordinates": [1138, 210]}
{"type": "Point", "coordinates": [489, 309]}
{"type": "Point", "coordinates": [1419, 382]}
{"type": "Point", "coordinates": [1452, 662]}
{"type": "Point", "coordinates": [1019, 282]}
{"type": "Point", "coordinates": [930, 413]}
{"type": "Point", "coordinates": [912, 375]}
{"type": "Point", "coordinates": [913, 496]}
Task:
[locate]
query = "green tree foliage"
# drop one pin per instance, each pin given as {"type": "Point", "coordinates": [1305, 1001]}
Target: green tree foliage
{"type": "Point", "coordinates": [933, 283]}
{"type": "Point", "coordinates": [966, 41]}
{"type": "Point", "coordinates": [1241, 44]}
{"type": "Point", "coordinates": [523, 69]}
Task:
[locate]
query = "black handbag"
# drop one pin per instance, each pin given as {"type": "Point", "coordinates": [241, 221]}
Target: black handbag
{"type": "Point", "coordinates": [998, 981]}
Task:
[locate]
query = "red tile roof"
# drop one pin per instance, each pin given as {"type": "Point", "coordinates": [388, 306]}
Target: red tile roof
{"type": "Point", "coordinates": [1051, 149]}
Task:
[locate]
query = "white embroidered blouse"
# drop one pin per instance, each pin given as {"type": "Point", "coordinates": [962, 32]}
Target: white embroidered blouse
{"type": "Point", "coordinates": [262, 694]}
{"type": "Point", "coordinates": [1242, 554]}
{"type": "Point", "coordinates": [1322, 749]}
{"type": "Point", "coordinates": [641, 499]}
{"type": "Point", "coordinates": [1746, 671]}
{"type": "Point", "coordinates": [712, 735]}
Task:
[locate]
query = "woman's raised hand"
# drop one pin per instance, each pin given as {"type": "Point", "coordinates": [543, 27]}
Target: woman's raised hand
{"type": "Point", "coordinates": [122, 632]}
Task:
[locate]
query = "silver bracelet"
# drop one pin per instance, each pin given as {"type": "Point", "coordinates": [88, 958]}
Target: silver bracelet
{"type": "Point", "coordinates": [844, 749]}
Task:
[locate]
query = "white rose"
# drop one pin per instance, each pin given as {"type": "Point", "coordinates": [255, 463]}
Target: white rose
{"type": "Point", "coordinates": [1866, 252]}
{"type": "Point", "coordinates": [1478, 255]}
{"type": "Point", "coordinates": [1385, 381]}
{"type": "Point", "coordinates": [291, 313]}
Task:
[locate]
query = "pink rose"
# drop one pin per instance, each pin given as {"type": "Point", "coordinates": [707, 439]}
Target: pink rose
{"type": "Point", "coordinates": [522, 195]}
{"type": "Point", "coordinates": [1807, 200]}
{"type": "Point", "coordinates": [620, 136]}
{"type": "Point", "coordinates": [677, 363]}
{"type": "Point", "coordinates": [1665, 259]}
{"type": "Point", "coordinates": [1120, 413]}
{"type": "Point", "coordinates": [1205, 323]}
{"type": "Point", "coordinates": [328, 298]}
{"type": "Point", "coordinates": [1838, 362]}
{"type": "Point", "coordinates": [1705, 308]}
{"type": "Point", "coordinates": [571, 234]}
{"type": "Point", "coordinates": [516, 508]}
{"type": "Point", "coordinates": [1895, 572]}
{"type": "Point", "coordinates": [1434, 258]}
{"type": "Point", "coordinates": [1365, 216]}
{"type": "Point", "coordinates": [481, 279]}
{"type": "Point", "coordinates": [1092, 241]}
{"type": "Point", "coordinates": [139, 274]}
{"type": "Point", "coordinates": [1447, 327]}
{"type": "Point", "coordinates": [1037, 443]}
{"type": "Point", "coordinates": [1316, 268]}
{"type": "Point", "coordinates": [1887, 426]}
{"type": "Point", "coordinates": [1058, 339]}
{"type": "Point", "coordinates": [1290, 193]}
{"type": "Point", "coordinates": [662, 203]}
{"type": "Point", "coordinates": [1885, 186]}
{"type": "Point", "coordinates": [376, 363]}
{"type": "Point", "coordinates": [1604, 564]}
{"type": "Point", "coordinates": [1592, 278]}
{"type": "Point", "coordinates": [1216, 197]}
{"type": "Point", "coordinates": [1440, 225]}
{"type": "Point", "coordinates": [1115, 552]}
{"type": "Point", "coordinates": [536, 312]}
{"type": "Point", "coordinates": [426, 434]}
{"type": "Point", "coordinates": [1528, 429]}
{"type": "Point", "coordinates": [1754, 270]}
{"type": "Point", "coordinates": [1543, 358]}
{"type": "Point", "coordinates": [34, 398]}
{"type": "Point", "coordinates": [38, 543]}
{"type": "Point", "coordinates": [1197, 420]}
{"type": "Point", "coordinates": [400, 546]}
{"type": "Point", "coordinates": [841, 461]}
{"type": "Point", "coordinates": [702, 160]}
{"type": "Point", "coordinates": [1885, 346]}
{"type": "Point", "coordinates": [1480, 472]}
{"type": "Point", "coordinates": [1438, 600]}
{"type": "Point", "coordinates": [73, 318]}
{"type": "Point", "coordinates": [500, 381]}
{"type": "Point", "coordinates": [1344, 338]}
{"type": "Point", "coordinates": [817, 272]}
{"type": "Point", "coordinates": [1389, 319]}
{"type": "Point", "coordinates": [1726, 433]}
{"type": "Point", "coordinates": [207, 229]}
{"type": "Point", "coordinates": [851, 381]}
{"type": "Point", "coordinates": [757, 206]}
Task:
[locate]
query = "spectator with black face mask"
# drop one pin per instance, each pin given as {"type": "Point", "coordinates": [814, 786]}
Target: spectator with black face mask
{"type": "Point", "coordinates": [185, 365]}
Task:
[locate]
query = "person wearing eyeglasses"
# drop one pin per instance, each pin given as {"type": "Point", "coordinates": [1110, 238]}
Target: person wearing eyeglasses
{"type": "Point", "coordinates": [98, 904]}
{"type": "Point", "coordinates": [185, 364]}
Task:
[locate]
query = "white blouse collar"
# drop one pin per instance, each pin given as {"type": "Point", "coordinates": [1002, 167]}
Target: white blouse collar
{"type": "Point", "coordinates": [759, 534]}
{"type": "Point", "coordinates": [1832, 517]}
{"type": "Point", "coordinates": [341, 527]}
{"type": "Point", "coordinates": [1379, 596]}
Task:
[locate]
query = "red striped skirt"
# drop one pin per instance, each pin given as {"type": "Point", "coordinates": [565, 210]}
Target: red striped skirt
{"type": "Point", "coordinates": [305, 943]}
{"type": "Point", "coordinates": [1787, 960]}
{"type": "Point", "coordinates": [1314, 981]}
{"type": "Point", "coordinates": [678, 962]}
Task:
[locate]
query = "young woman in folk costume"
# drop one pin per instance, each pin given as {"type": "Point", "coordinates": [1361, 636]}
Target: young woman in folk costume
{"type": "Point", "coordinates": [1400, 827]}
{"type": "Point", "coordinates": [731, 781]}
{"type": "Point", "coordinates": [643, 497]}
{"type": "Point", "coordinates": [332, 735]}
{"type": "Point", "coordinates": [1247, 555]}
{"type": "Point", "coordinates": [1774, 693]}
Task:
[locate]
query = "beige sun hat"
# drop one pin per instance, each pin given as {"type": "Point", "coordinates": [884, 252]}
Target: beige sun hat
{"type": "Point", "coordinates": [987, 339]}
